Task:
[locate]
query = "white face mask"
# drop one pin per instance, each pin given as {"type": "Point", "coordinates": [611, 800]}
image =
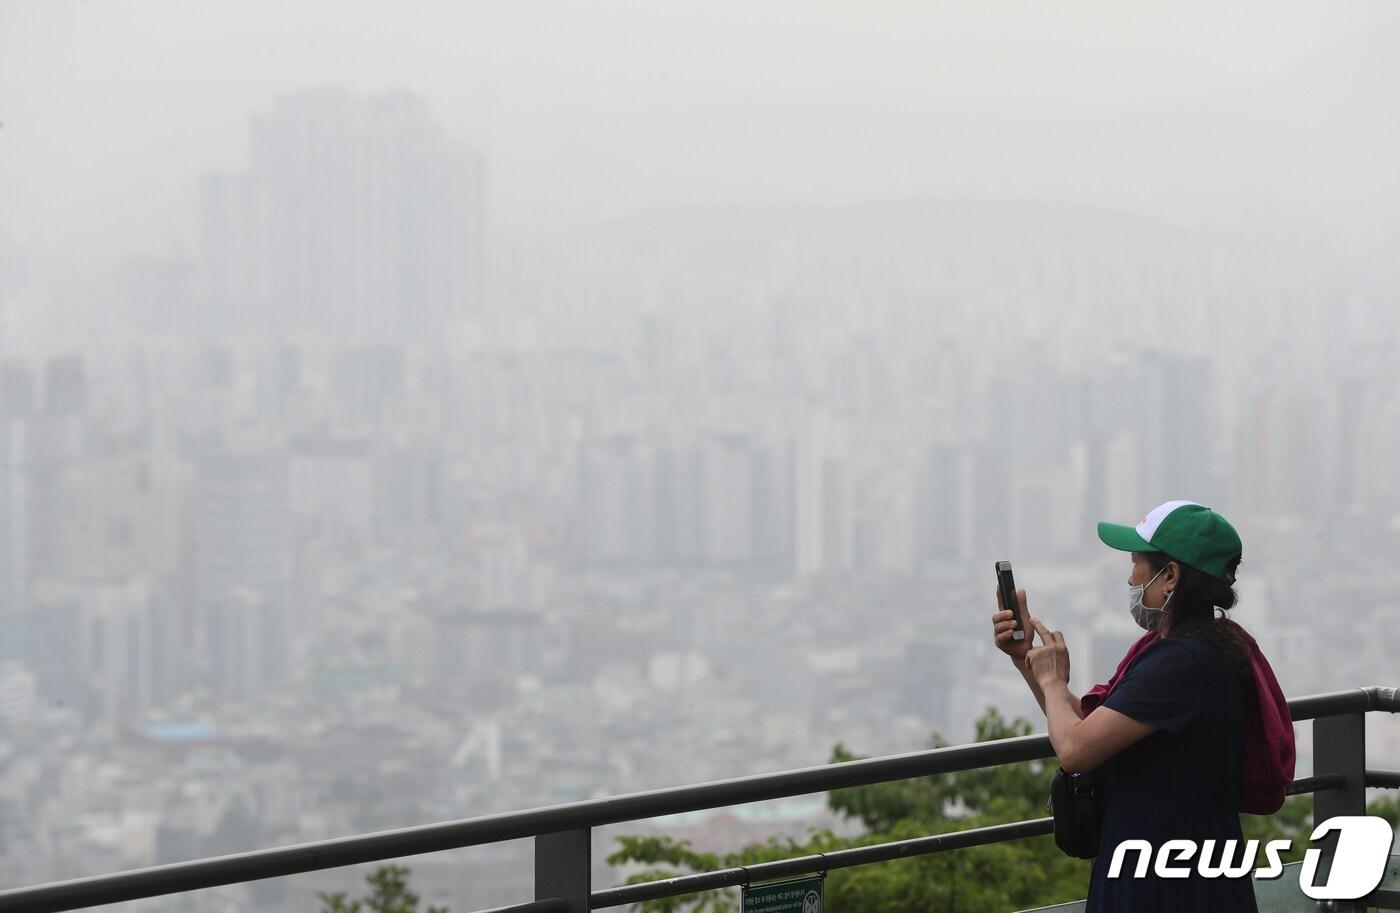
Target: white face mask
{"type": "Point", "coordinates": [1147, 618]}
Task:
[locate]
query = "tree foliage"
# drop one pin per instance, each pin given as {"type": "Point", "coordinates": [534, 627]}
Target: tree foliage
{"type": "Point", "coordinates": [1387, 807]}
{"type": "Point", "coordinates": [1292, 822]}
{"type": "Point", "coordinates": [388, 893]}
{"type": "Point", "coordinates": [1012, 875]}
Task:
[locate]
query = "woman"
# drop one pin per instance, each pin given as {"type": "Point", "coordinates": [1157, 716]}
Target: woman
{"type": "Point", "coordinates": [1168, 740]}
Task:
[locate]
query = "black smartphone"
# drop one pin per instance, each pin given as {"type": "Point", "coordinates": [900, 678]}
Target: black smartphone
{"type": "Point", "coordinates": [1007, 583]}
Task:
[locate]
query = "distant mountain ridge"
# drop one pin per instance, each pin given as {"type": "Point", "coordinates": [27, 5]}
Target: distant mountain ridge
{"type": "Point", "coordinates": [952, 218]}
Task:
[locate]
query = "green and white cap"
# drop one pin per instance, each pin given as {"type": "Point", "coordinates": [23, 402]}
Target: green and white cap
{"type": "Point", "coordinates": [1184, 530]}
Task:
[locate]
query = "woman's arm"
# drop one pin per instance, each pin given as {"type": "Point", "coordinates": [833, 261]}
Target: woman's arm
{"type": "Point", "coordinates": [1003, 626]}
{"type": "Point", "coordinates": [1080, 743]}
{"type": "Point", "coordinates": [1040, 693]}
{"type": "Point", "coordinates": [1083, 743]}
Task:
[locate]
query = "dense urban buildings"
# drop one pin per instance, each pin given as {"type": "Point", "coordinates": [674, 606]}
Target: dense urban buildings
{"type": "Point", "coordinates": [330, 528]}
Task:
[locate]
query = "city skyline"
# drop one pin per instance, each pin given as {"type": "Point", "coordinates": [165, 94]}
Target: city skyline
{"type": "Point", "coordinates": [464, 419]}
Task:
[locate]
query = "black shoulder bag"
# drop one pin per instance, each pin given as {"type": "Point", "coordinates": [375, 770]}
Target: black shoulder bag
{"type": "Point", "coordinates": [1074, 801]}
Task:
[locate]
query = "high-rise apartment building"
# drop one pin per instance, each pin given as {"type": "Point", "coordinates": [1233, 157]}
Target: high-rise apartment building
{"type": "Point", "coordinates": [824, 531]}
{"type": "Point", "coordinates": [18, 401]}
{"type": "Point", "coordinates": [242, 544]}
{"type": "Point", "coordinates": [357, 220]}
{"type": "Point", "coordinates": [14, 503]}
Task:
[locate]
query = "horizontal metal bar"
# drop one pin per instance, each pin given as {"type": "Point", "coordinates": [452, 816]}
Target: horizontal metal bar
{"type": "Point", "coordinates": [547, 905]}
{"type": "Point", "coordinates": [1314, 784]}
{"type": "Point", "coordinates": [430, 838]}
{"type": "Point", "coordinates": [802, 865]}
{"type": "Point", "coordinates": [919, 846]}
{"type": "Point", "coordinates": [1383, 778]}
{"type": "Point", "coordinates": [1383, 899]}
{"type": "Point", "coordinates": [1352, 700]}
{"type": "Point", "coordinates": [1384, 698]}
{"type": "Point", "coordinates": [687, 884]}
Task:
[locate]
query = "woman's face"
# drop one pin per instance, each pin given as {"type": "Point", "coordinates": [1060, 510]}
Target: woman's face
{"type": "Point", "coordinates": [1155, 596]}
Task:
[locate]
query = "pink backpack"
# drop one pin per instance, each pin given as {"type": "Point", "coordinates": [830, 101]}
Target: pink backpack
{"type": "Point", "coordinates": [1269, 750]}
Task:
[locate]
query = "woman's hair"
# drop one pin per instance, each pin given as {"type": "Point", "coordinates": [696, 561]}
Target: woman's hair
{"type": "Point", "coordinates": [1192, 606]}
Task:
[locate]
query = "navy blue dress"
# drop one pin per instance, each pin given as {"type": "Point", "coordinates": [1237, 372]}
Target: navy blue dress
{"type": "Point", "coordinates": [1181, 781]}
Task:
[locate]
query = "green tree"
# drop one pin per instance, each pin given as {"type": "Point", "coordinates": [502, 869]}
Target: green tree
{"type": "Point", "coordinates": [1388, 807]}
{"type": "Point", "coordinates": [1013, 875]}
{"type": "Point", "coordinates": [388, 893]}
{"type": "Point", "coordinates": [1292, 822]}
{"type": "Point", "coordinates": [1007, 876]}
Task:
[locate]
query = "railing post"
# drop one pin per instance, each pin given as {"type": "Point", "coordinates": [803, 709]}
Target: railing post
{"type": "Point", "coordinates": [563, 867]}
{"type": "Point", "coordinates": [1339, 747]}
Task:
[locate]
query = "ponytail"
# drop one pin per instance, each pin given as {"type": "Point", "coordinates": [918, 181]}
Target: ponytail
{"type": "Point", "coordinates": [1193, 603]}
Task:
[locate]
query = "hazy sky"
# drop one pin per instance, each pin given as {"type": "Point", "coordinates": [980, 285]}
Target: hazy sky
{"type": "Point", "coordinates": [1195, 112]}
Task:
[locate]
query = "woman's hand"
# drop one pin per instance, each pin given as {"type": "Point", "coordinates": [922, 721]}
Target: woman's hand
{"type": "Point", "coordinates": [1049, 663]}
{"type": "Point", "coordinates": [1004, 622]}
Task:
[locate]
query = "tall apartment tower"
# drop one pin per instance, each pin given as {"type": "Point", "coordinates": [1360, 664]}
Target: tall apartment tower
{"type": "Point", "coordinates": [242, 533]}
{"type": "Point", "coordinates": [14, 506]}
{"type": "Point", "coordinates": [824, 531]}
{"type": "Point", "coordinates": [357, 220]}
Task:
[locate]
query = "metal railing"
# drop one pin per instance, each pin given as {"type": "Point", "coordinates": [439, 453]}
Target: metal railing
{"type": "Point", "coordinates": [562, 833]}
